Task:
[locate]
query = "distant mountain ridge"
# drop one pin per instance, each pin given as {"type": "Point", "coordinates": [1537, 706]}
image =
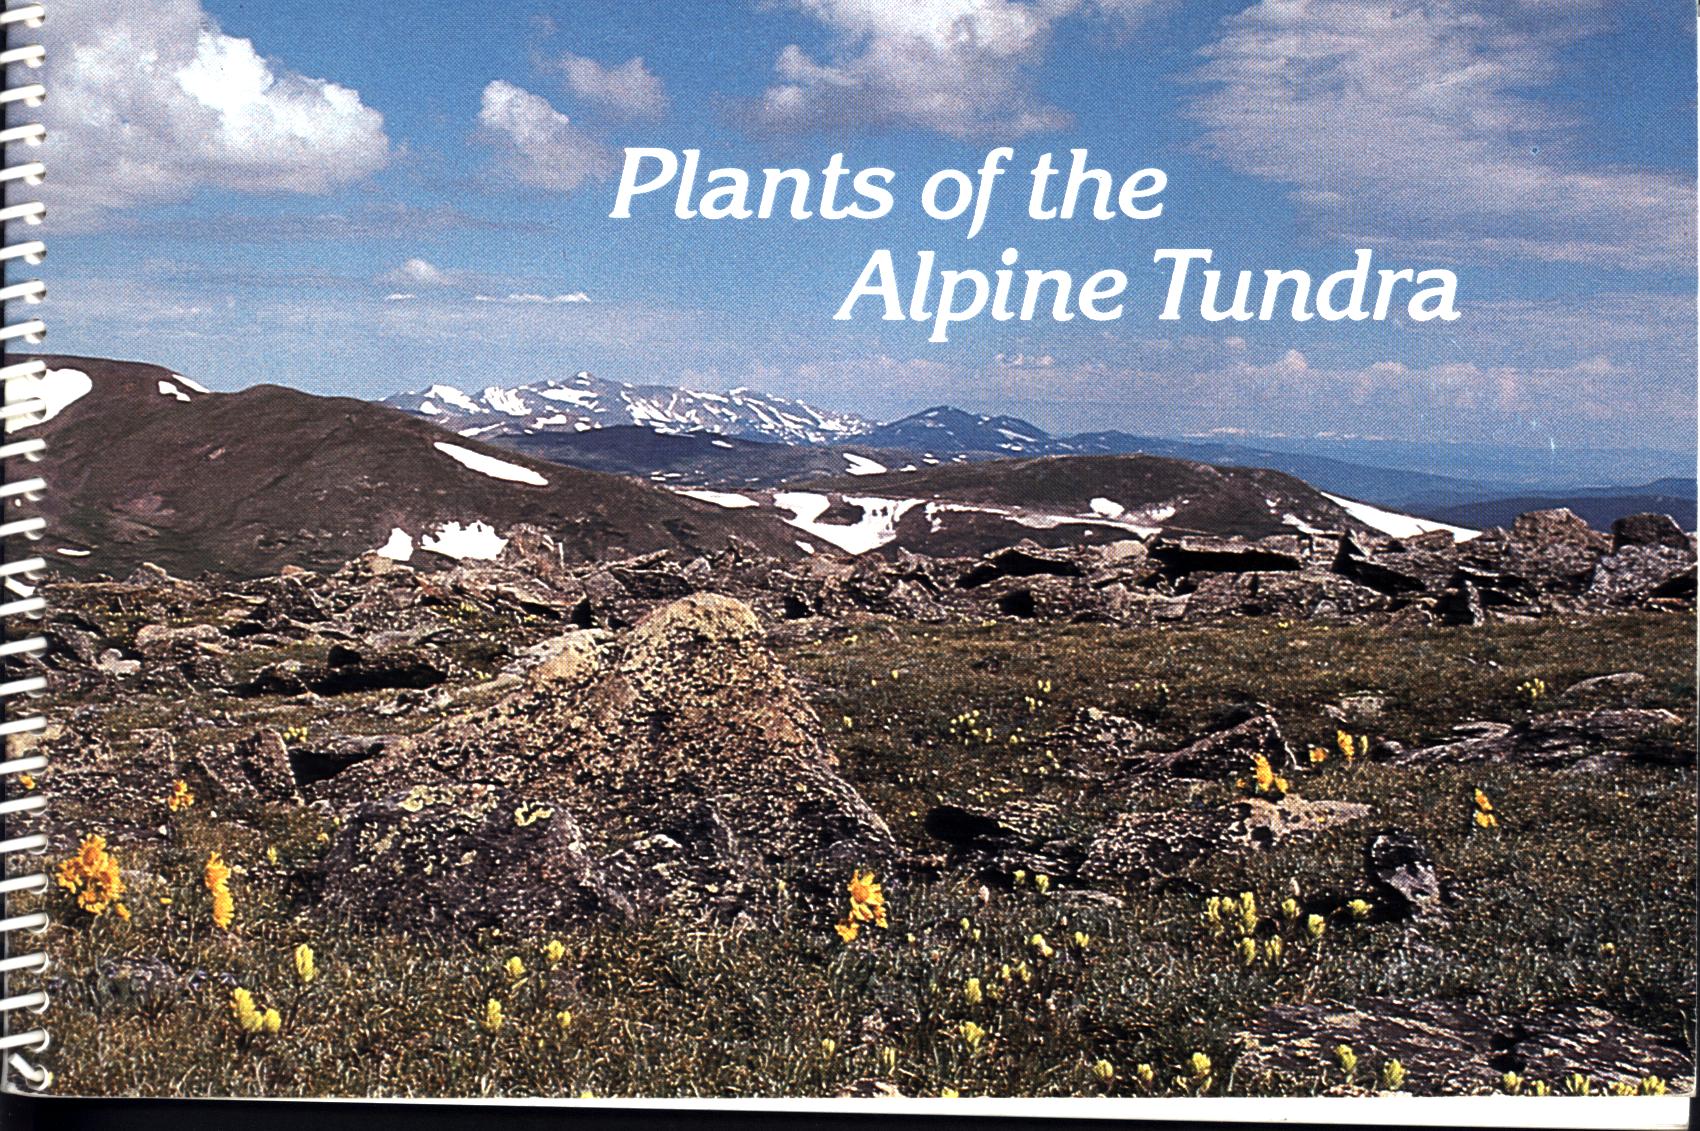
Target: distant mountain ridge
{"type": "Point", "coordinates": [583, 402]}
{"type": "Point", "coordinates": [744, 438]}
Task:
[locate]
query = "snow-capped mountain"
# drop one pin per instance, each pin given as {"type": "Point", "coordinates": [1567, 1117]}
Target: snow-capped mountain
{"type": "Point", "coordinates": [584, 402]}
{"type": "Point", "coordinates": [947, 430]}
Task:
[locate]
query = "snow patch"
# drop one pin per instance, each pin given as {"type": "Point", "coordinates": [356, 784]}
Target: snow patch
{"type": "Point", "coordinates": [167, 389]}
{"type": "Point", "coordinates": [505, 400]}
{"type": "Point", "coordinates": [451, 395]}
{"type": "Point", "coordinates": [583, 398]}
{"type": "Point", "coordinates": [722, 444]}
{"type": "Point", "coordinates": [192, 386]}
{"type": "Point", "coordinates": [480, 429]}
{"type": "Point", "coordinates": [70, 553]}
{"type": "Point", "coordinates": [400, 546]}
{"type": "Point", "coordinates": [862, 465]}
{"type": "Point", "coordinates": [54, 388]}
{"type": "Point", "coordinates": [1107, 508]}
{"type": "Point", "coordinates": [876, 527]}
{"type": "Point", "coordinates": [490, 465]}
{"type": "Point", "coordinates": [726, 499]}
{"type": "Point", "coordinates": [806, 547]}
{"type": "Point", "coordinates": [1397, 525]}
{"type": "Point", "coordinates": [475, 540]}
{"type": "Point", "coordinates": [430, 409]}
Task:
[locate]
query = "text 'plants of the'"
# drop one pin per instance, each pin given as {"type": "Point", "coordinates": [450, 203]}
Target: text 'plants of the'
{"type": "Point", "coordinates": [839, 193]}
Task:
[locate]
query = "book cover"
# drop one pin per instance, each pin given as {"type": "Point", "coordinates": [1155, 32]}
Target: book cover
{"type": "Point", "coordinates": [853, 552]}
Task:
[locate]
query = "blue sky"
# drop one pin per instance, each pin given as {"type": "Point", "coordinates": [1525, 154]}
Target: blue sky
{"type": "Point", "coordinates": [240, 192]}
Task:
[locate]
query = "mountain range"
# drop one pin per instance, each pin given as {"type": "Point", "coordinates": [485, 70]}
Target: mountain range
{"type": "Point", "coordinates": [744, 438]}
{"type": "Point", "coordinates": [146, 465]}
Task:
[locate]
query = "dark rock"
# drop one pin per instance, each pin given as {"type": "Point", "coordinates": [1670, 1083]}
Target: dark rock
{"type": "Point", "coordinates": [1557, 527]}
{"type": "Point", "coordinates": [1401, 872]}
{"type": "Point", "coordinates": [1635, 573]}
{"type": "Point", "coordinates": [255, 768]}
{"type": "Point", "coordinates": [1451, 1049]}
{"type": "Point", "coordinates": [1181, 556]}
{"type": "Point", "coordinates": [1223, 755]}
{"type": "Point", "coordinates": [1019, 837]}
{"type": "Point", "coordinates": [1649, 530]}
{"type": "Point", "coordinates": [466, 857]}
{"type": "Point", "coordinates": [1562, 738]}
{"type": "Point", "coordinates": [1460, 606]}
{"type": "Point", "coordinates": [1024, 560]}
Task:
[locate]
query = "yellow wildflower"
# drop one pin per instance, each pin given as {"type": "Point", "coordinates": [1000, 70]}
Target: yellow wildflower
{"type": "Point", "coordinates": [1318, 755]}
{"type": "Point", "coordinates": [1347, 1058]}
{"type": "Point", "coordinates": [867, 899]}
{"type": "Point", "coordinates": [272, 1021]}
{"type": "Point", "coordinates": [1147, 1075]}
{"type": "Point", "coordinates": [216, 877]}
{"type": "Point", "coordinates": [305, 968]}
{"type": "Point", "coordinates": [564, 1019]}
{"type": "Point", "coordinates": [971, 992]}
{"type": "Point", "coordinates": [1262, 774]}
{"type": "Point", "coordinates": [180, 797]}
{"type": "Point", "coordinates": [1104, 1070]}
{"type": "Point", "coordinates": [1043, 883]}
{"type": "Point", "coordinates": [1315, 925]}
{"type": "Point", "coordinates": [972, 1035]}
{"type": "Point", "coordinates": [93, 876]}
{"type": "Point", "coordinates": [515, 968]}
{"type": "Point", "coordinates": [1577, 1084]}
{"type": "Point", "coordinates": [1511, 1083]}
{"type": "Point", "coordinates": [1652, 1086]}
{"type": "Point", "coordinates": [948, 1093]}
{"type": "Point", "coordinates": [1392, 1076]}
{"type": "Point", "coordinates": [1039, 944]}
{"type": "Point", "coordinates": [247, 1014]}
{"type": "Point", "coordinates": [1082, 939]}
{"type": "Point", "coordinates": [888, 1058]}
{"type": "Point", "coordinates": [848, 929]}
{"type": "Point", "coordinates": [492, 1019]}
{"type": "Point", "coordinates": [828, 1046]}
{"type": "Point", "coordinates": [1359, 908]}
{"type": "Point", "coordinates": [554, 951]}
{"type": "Point", "coordinates": [1290, 909]}
{"type": "Point", "coordinates": [27, 780]}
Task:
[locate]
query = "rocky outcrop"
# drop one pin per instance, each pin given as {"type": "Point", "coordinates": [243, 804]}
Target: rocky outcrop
{"type": "Point", "coordinates": [1559, 739]}
{"type": "Point", "coordinates": [685, 769]}
{"type": "Point", "coordinates": [1450, 1049]}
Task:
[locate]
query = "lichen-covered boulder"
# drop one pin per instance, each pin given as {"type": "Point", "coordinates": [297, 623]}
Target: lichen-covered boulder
{"type": "Point", "coordinates": [467, 858]}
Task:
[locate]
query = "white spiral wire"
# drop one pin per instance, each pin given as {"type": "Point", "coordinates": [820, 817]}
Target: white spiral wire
{"type": "Point", "coordinates": [22, 408]}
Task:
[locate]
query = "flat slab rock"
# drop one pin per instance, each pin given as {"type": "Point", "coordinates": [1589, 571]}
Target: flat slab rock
{"type": "Point", "coordinates": [1453, 1050]}
{"type": "Point", "coordinates": [1561, 738]}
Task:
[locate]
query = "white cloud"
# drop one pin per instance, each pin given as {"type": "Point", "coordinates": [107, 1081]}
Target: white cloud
{"type": "Point", "coordinates": [961, 67]}
{"type": "Point", "coordinates": [628, 89]}
{"type": "Point", "coordinates": [528, 299]}
{"type": "Point", "coordinates": [1410, 123]}
{"type": "Point", "coordinates": [150, 101]}
{"type": "Point", "coordinates": [420, 273]}
{"type": "Point", "coordinates": [541, 147]}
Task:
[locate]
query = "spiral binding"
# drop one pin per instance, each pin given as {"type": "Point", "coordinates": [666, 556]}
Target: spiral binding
{"type": "Point", "coordinates": [22, 407]}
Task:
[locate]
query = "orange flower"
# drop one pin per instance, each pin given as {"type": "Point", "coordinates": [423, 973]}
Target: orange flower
{"type": "Point", "coordinates": [180, 797]}
{"type": "Point", "coordinates": [217, 879]}
{"type": "Point", "coordinates": [94, 877]}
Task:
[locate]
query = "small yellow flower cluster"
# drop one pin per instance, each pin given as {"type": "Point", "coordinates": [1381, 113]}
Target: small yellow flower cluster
{"type": "Point", "coordinates": [181, 797]}
{"type": "Point", "coordinates": [1265, 778]}
{"type": "Point", "coordinates": [93, 876]}
{"type": "Point", "coordinates": [305, 967]}
{"type": "Point", "coordinates": [1392, 1076]}
{"type": "Point", "coordinates": [491, 1022]}
{"type": "Point", "coordinates": [1198, 1074]}
{"type": "Point", "coordinates": [250, 1017]}
{"type": "Point", "coordinates": [1347, 1059]}
{"type": "Point", "coordinates": [1532, 691]}
{"type": "Point", "coordinates": [1318, 755]}
{"type": "Point", "coordinates": [1484, 815]}
{"type": "Point", "coordinates": [972, 1035]}
{"type": "Point", "coordinates": [867, 905]}
{"type": "Point", "coordinates": [1350, 748]}
{"type": "Point", "coordinates": [217, 879]}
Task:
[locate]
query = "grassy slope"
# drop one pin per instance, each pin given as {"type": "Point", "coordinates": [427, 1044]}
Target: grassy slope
{"type": "Point", "coordinates": [1581, 861]}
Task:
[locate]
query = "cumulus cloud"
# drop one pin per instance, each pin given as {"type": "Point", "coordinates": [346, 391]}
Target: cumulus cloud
{"type": "Point", "coordinates": [541, 147]}
{"type": "Point", "coordinates": [963, 68]}
{"type": "Point", "coordinates": [150, 101]}
{"type": "Point", "coordinates": [420, 273]}
{"type": "Point", "coordinates": [628, 90]}
{"type": "Point", "coordinates": [1411, 123]}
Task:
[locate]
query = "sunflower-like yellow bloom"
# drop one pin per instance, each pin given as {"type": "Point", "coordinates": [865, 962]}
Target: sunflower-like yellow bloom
{"type": "Point", "coordinates": [867, 898]}
{"type": "Point", "coordinates": [515, 968]}
{"type": "Point", "coordinates": [180, 797]}
{"type": "Point", "coordinates": [94, 877]}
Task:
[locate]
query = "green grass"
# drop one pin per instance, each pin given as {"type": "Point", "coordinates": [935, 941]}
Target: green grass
{"type": "Point", "coordinates": [1584, 894]}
